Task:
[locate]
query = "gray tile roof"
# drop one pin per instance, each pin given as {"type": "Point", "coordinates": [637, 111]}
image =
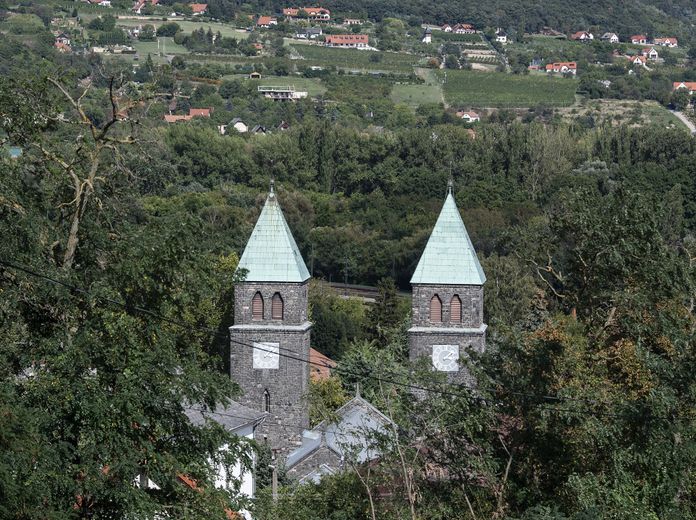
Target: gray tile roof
{"type": "Point", "coordinates": [271, 255]}
{"type": "Point", "coordinates": [231, 417]}
{"type": "Point", "coordinates": [449, 257]}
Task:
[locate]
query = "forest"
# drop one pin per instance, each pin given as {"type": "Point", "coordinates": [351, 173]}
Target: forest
{"type": "Point", "coordinates": [121, 238]}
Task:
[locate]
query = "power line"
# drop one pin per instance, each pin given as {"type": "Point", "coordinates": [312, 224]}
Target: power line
{"type": "Point", "coordinates": [367, 375]}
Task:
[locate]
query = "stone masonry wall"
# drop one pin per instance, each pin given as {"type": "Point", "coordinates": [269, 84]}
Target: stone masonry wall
{"type": "Point", "coordinates": [421, 345]}
{"type": "Point", "coordinates": [294, 301]}
{"type": "Point", "coordinates": [470, 295]}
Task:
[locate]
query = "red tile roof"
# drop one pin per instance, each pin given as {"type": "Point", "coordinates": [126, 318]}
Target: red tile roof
{"type": "Point", "coordinates": [347, 39]}
{"type": "Point", "coordinates": [690, 85]}
{"type": "Point", "coordinates": [320, 365]}
{"type": "Point", "coordinates": [198, 8]}
{"type": "Point", "coordinates": [199, 112]}
{"type": "Point", "coordinates": [265, 20]}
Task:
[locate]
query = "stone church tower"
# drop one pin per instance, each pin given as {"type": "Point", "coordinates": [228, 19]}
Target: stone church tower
{"type": "Point", "coordinates": [447, 304]}
{"type": "Point", "coordinates": [271, 327]}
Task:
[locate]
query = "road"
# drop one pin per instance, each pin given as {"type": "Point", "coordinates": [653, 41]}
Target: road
{"type": "Point", "coordinates": [685, 120]}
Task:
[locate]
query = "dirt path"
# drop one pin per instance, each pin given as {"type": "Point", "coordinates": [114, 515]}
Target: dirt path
{"type": "Point", "coordinates": [686, 121]}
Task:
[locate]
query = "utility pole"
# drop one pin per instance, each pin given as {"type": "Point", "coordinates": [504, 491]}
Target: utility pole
{"type": "Point", "coordinates": [274, 485]}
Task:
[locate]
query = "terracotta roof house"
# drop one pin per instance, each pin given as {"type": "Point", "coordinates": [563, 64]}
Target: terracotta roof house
{"type": "Point", "coordinates": [562, 67]}
{"type": "Point", "coordinates": [198, 9]}
{"type": "Point", "coordinates": [666, 42]}
{"type": "Point", "coordinates": [193, 112]}
{"type": "Point", "coordinates": [638, 59]}
{"type": "Point", "coordinates": [200, 112]}
{"type": "Point", "coordinates": [463, 28]}
{"type": "Point", "coordinates": [639, 39]}
{"type": "Point", "coordinates": [320, 365]}
{"type": "Point", "coordinates": [650, 53]}
{"type": "Point", "coordinates": [314, 13]}
{"type": "Point", "coordinates": [446, 28]}
{"type": "Point", "coordinates": [62, 47]}
{"type": "Point", "coordinates": [139, 4]}
{"type": "Point", "coordinates": [354, 41]}
{"type": "Point", "coordinates": [266, 21]}
{"type": "Point", "coordinates": [469, 116]}
{"type": "Point", "coordinates": [688, 85]}
{"type": "Point", "coordinates": [582, 36]}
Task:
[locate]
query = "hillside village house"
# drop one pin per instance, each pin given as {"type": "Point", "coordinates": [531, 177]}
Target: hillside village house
{"type": "Point", "coordinates": [463, 28]}
{"type": "Point", "coordinates": [193, 112]}
{"type": "Point", "coordinates": [468, 116]}
{"type": "Point", "coordinates": [352, 21]}
{"type": "Point", "coordinates": [310, 33]}
{"type": "Point", "coordinates": [319, 14]}
{"type": "Point", "coordinates": [562, 67]}
{"type": "Point", "coordinates": [446, 28]}
{"type": "Point", "coordinates": [582, 36]}
{"type": "Point", "coordinates": [639, 39]}
{"type": "Point", "coordinates": [501, 36]}
{"type": "Point", "coordinates": [266, 21]}
{"type": "Point", "coordinates": [139, 4]}
{"type": "Point", "coordinates": [650, 53]}
{"type": "Point", "coordinates": [666, 42]}
{"type": "Point", "coordinates": [610, 37]}
{"type": "Point", "coordinates": [690, 86]}
{"type": "Point", "coordinates": [348, 41]}
{"type": "Point", "coordinates": [638, 60]}
{"type": "Point", "coordinates": [427, 35]}
{"type": "Point", "coordinates": [198, 9]}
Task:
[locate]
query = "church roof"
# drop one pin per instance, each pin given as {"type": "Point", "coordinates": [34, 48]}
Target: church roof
{"type": "Point", "coordinates": [271, 255]}
{"type": "Point", "coordinates": [449, 257]}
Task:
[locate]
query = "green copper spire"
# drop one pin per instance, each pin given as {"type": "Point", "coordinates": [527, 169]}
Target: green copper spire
{"type": "Point", "coordinates": [449, 257]}
{"type": "Point", "coordinates": [271, 255]}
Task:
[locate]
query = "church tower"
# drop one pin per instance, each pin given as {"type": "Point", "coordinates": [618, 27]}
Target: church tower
{"type": "Point", "coordinates": [270, 335]}
{"type": "Point", "coordinates": [447, 305]}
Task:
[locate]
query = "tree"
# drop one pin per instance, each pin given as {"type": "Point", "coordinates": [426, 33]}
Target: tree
{"type": "Point", "coordinates": [385, 313]}
{"type": "Point", "coordinates": [168, 29]}
{"type": "Point", "coordinates": [147, 33]}
{"type": "Point", "coordinates": [680, 99]}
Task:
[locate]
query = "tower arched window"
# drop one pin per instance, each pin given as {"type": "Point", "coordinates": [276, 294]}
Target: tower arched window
{"type": "Point", "coordinates": [435, 309]}
{"type": "Point", "coordinates": [277, 307]}
{"type": "Point", "coordinates": [266, 401]}
{"type": "Point", "coordinates": [257, 307]}
{"type": "Point", "coordinates": [455, 310]}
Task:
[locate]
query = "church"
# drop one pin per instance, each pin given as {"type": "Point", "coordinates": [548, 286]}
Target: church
{"type": "Point", "coordinates": [270, 338]}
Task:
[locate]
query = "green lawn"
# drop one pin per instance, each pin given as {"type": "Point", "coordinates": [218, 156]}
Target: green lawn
{"type": "Point", "coordinates": [352, 59]}
{"type": "Point", "coordinates": [415, 95]}
{"type": "Point", "coordinates": [189, 26]}
{"type": "Point", "coordinates": [497, 89]}
{"type": "Point", "coordinates": [165, 44]}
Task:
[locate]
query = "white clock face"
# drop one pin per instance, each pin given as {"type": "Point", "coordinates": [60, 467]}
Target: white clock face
{"type": "Point", "coordinates": [446, 358]}
{"type": "Point", "coordinates": [266, 355]}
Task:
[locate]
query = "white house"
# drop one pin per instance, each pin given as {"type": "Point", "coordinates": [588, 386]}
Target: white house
{"type": "Point", "coordinates": [500, 36]}
{"type": "Point", "coordinates": [650, 53]}
{"type": "Point", "coordinates": [427, 35]}
{"type": "Point", "coordinates": [468, 116]}
{"type": "Point", "coordinates": [610, 37]}
{"type": "Point", "coordinates": [239, 125]}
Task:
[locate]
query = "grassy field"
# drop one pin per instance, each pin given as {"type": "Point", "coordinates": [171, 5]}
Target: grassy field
{"type": "Point", "coordinates": [166, 43]}
{"type": "Point", "coordinates": [189, 26]}
{"type": "Point", "coordinates": [416, 95]}
{"type": "Point", "coordinates": [352, 59]}
{"type": "Point", "coordinates": [497, 89]}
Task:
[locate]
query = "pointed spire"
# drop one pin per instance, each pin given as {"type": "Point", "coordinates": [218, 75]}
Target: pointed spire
{"type": "Point", "coordinates": [449, 257]}
{"type": "Point", "coordinates": [271, 254]}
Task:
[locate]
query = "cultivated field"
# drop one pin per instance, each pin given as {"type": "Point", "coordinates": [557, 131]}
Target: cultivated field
{"type": "Point", "coordinates": [187, 26]}
{"type": "Point", "coordinates": [496, 89]}
{"type": "Point", "coordinates": [352, 59]}
{"type": "Point", "coordinates": [616, 111]}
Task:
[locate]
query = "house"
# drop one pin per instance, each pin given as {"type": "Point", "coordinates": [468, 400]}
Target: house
{"type": "Point", "coordinates": [582, 36]}
{"type": "Point", "coordinates": [311, 33]}
{"type": "Point", "coordinates": [62, 47]}
{"type": "Point", "coordinates": [198, 9]}
{"type": "Point", "coordinates": [688, 85]}
{"type": "Point", "coordinates": [610, 37]}
{"type": "Point", "coordinates": [283, 126]}
{"type": "Point", "coordinates": [241, 421]}
{"type": "Point", "coordinates": [258, 129]}
{"type": "Point", "coordinates": [255, 75]}
{"type": "Point", "coordinates": [319, 365]}
{"type": "Point", "coordinates": [639, 39]}
{"type": "Point", "coordinates": [102, 3]}
{"type": "Point", "coordinates": [650, 53]}
{"type": "Point", "coordinates": [562, 67]}
{"type": "Point", "coordinates": [193, 112]}
{"type": "Point", "coordinates": [468, 116]}
{"type": "Point", "coordinates": [139, 4]}
{"type": "Point", "coordinates": [266, 21]}
{"type": "Point", "coordinates": [239, 125]}
{"type": "Point", "coordinates": [350, 439]}
{"type": "Point", "coordinates": [347, 41]}
{"type": "Point", "coordinates": [63, 38]}
{"type": "Point", "coordinates": [352, 21]}
{"type": "Point", "coordinates": [535, 64]}
{"type": "Point", "coordinates": [314, 13]}
{"type": "Point", "coordinates": [446, 28]}
{"type": "Point", "coordinates": [427, 35]}
{"type": "Point", "coordinates": [666, 42]}
{"type": "Point", "coordinates": [500, 36]}
{"type": "Point", "coordinates": [638, 60]}
{"type": "Point", "coordinates": [463, 28]}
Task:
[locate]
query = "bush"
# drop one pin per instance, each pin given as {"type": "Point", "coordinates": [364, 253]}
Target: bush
{"type": "Point", "coordinates": [168, 29]}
